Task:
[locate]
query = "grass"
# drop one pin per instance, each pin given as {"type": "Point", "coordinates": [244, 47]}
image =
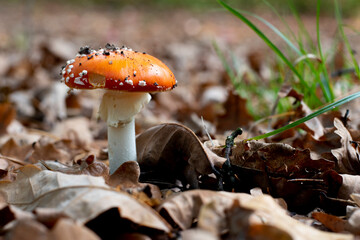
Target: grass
{"type": "Point", "coordinates": [315, 72]}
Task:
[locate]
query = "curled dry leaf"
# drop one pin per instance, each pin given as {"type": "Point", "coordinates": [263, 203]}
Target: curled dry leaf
{"type": "Point", "coordinates": [236, 113]}
{"type": "Point", "coordinates": [77, 129]}
{"type": "Point", "coordinates": [286, 172]}
{"type": "Point", "coordinates": [347, 156]}
{"type": "Point", "coordinates": [67, 229]}
{"type": "Point", "coordinates": [313, 126]}
{"type": "Point", "coordinates": [171, 152]}
{"type": "Point", "coordinates": [92, 196]}
{"type": "Point", "coordinates": [353, 222]}
{"type": "Point", "coordinates": [23, 229]}
{"type": "Point", "coordinates": [10, 213]}
{"type": "Point", "coordinates": [240, 214]}
{"type": "Point", "coordinates": [126, 178]}
{"type": "Point", "coordinates": [196, 233]}
{"type": "Point", "coordinates": [182, 209]}
{"type": "Point", "coordinates": [350, 185]}
{"type": "Point", "coordinates": [64, 151]}
{"type": "Point", "coordinates": [12, 149]}
{"type": "Point", "coordinates": [278, 158]}
{"type": "Point", "coordinates": [87, 165]}
{"type": "Point", "coordinates": [334, 223]}
{"type": "Point", "coordinates": [7, 115]}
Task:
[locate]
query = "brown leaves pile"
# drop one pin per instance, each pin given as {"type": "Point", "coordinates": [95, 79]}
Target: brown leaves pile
{"type": "Point", "coordinates": [54, 175]}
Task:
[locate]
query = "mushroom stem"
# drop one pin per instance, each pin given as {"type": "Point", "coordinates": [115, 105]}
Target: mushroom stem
{"type": "Point", "coordinates": [118, 110]}
{"type": "Point", "coordinates": [122, 145]}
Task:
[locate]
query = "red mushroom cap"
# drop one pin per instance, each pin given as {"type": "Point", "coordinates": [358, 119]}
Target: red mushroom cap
{"type": "Point", "coordinates": [117, 69]}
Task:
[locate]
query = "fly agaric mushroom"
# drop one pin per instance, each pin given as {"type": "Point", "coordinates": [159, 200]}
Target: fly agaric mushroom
{"type": "Point", "coordinates": [127, 77]}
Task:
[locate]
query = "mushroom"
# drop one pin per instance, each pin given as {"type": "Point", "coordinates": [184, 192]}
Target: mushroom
{"type": "Point", "coordinates": [127, 77]}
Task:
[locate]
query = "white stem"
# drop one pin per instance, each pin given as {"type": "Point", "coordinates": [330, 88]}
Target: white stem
{"type": "Point", "coordinates": [118, 110]}
{"type": "Point", "coordinates": [122, 145]}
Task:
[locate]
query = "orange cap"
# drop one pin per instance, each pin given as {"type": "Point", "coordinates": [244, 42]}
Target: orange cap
{"type": "Point", "coordinates": [117, 69]}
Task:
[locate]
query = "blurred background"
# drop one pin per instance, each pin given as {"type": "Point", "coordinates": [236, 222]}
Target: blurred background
{"type": "Point", "coordinates": [38, 36]}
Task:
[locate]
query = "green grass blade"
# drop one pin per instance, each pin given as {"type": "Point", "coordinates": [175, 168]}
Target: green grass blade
{"type": "Point", "coordinates": [225, 64]}
{"type": "Point", "coordinates": [310, 116]}
{"type": "Point", "coordinates": [275, 30]}
{"type": "Point", "coordinates": [324, 78]}
{"type": "Point", "coordinates": [291, 32]}
{"type": "Point", "coordinates": [266, 40]}
{"type": "Point", "coordinates": [303, 32]}
{"type": "Point", "coordinates": [346, 40]}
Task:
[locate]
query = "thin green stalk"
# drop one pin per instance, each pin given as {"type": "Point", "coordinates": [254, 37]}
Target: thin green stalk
{"type": "Point", "coordinates": [324, 78]}
{"type": "Point", "coordinates": [266, 40]}
{"type": "Point", "coordinates": [346, 40]}
{"type": "Point", "coordinates": [310, 116]}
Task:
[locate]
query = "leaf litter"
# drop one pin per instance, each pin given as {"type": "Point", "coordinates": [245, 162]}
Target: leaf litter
{"type": "Point", "coordinates": [53, 153]}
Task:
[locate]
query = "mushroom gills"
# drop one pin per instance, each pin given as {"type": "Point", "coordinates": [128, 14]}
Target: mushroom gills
{"type": "Point", "coordinates": [97, 80]}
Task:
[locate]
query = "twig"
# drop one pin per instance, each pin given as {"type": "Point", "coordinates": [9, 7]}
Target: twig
{"type": "Point", "coordinates": [207, 132]}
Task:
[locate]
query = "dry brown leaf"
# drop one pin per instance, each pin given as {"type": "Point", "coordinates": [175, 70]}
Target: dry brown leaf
{"type": "Point", "coordinates": [353, 222]}
{"type": "Point", "coordinates": [172, 152]}
{"type": "Point", "coordinates": [287, 90]}
{"type": "Point", "coordinates": [12, 149]}
{"type": "Point", "coordinates": [236, 114]}
{"type": "Point", "coordinates": [49, 152]}
{"type": "Point", "coordinates": [87, 165]}
{"type": "Point", "coordinates": [196, 233]}
{"type": "Point", "coordinates": [10, 213]}
{"type": "Point", "coordinates": [262, 231]}
{"type": "Point", "coordinates": [7, 115]}
{"type": "Point", "coordinates": [66, 229]}
{"type": "Point", "coordinates": [183, 208]}
{"type": "Point", "coordinates": [313, 126]}
{"type": "Point", "coordinates": [26, 229]}
{"type": "Point", "coordinates": [350, 185]}
{"type": "Point", "coordinates": [279, 158]}
{"type": "Point", "coordinates": [126, 178]}
{"type": "Point", "coordinates": [240, 214]}
{"type": "Point", "coordinates": [64, 151]}
{"type": "Point", "coordinates": [78, 128]}
{"type": "Point", "coordinates": [134, 236]}
{"type": "Point", "coordinates": [334, 223]}
{"type": "Point", "coordinates": [49, 216]}
{"type": "Point", "coordinates": [92, 196]}
{"type": "Point", "coordinates": [347, 156]}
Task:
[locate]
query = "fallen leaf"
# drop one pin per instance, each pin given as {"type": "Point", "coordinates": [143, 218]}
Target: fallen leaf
{"type": "Point", "coordinates": [76, 129]}
{"type": "Point", "coordinates": [170, 152]}
{"type": "Point", "coordinates": [23, 229]}
{"type": "Point", "coordinates": [48, 216]}
{"type": "Point", "coordinates": [195, 233]}
{"type": "Point", "coordinates": [313, 126]}
{"type": "Point", "coordinates": [92, 196]}
{"type": "Point", "coordinates": [334, 223]}
{"type": "Point", "coordinates": [64, 151]}
{"type": "Point", "coordinates": [7, 115]}
{"type": "Point", "coordinates": [87, 165]}
{"type": "Point", "coordinates": [353, 222]}
{"type": "Point", "coordinates": [10, 213]}
{"type": "Point", "coordinates": [236, 114]}
{"type": "Point", "coordinates": [239, 214]}
{"type": "Point", "coordinates": [184, 208]}
{"type": "Point", "coordinates": [126, 178]}
{"type": "Point", "coordinates": [12, 149]}
{"type": "Point", "coordinates": [284, 172]}
{"type": "Point", "coordinates": [350, 185]}
{"type": "Point", "coordinates": [66, 229]}
{"type": "Point", "coordinates": [347, 156]}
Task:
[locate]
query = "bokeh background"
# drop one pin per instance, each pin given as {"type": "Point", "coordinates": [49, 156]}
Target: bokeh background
{"type": "Point", "coordinates": [38, 36]}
